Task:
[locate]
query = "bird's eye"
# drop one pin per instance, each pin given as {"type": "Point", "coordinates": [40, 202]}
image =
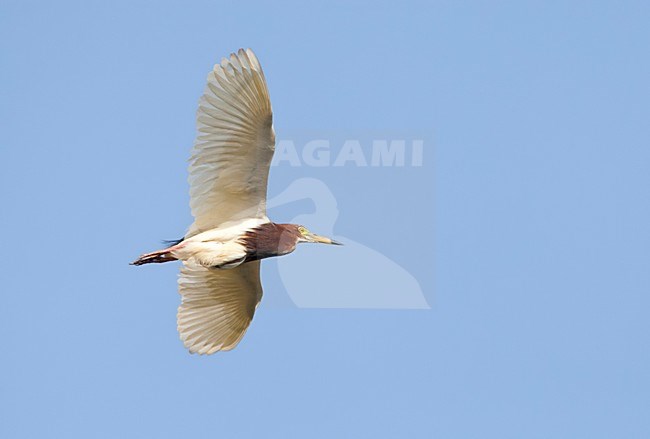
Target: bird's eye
{"type": "Point", "coordinates": [302, 230]}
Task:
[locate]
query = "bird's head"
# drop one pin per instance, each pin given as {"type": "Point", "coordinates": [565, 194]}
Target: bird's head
{"type": "Point", "coordinates": [307, 236]}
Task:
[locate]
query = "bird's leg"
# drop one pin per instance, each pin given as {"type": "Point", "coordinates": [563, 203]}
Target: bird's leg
{"type": "Point", "coordinates": [156, 257]}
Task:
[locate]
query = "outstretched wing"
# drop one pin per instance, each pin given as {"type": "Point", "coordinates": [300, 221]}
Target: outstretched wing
{"type": "Point", "coordinates": [217, 305]}
{"type": "Point", "coordinates": [229, 165]}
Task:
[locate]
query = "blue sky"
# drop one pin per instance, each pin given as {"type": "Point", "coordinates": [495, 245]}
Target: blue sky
{"type": "Point", "coordinates": [526, 226]}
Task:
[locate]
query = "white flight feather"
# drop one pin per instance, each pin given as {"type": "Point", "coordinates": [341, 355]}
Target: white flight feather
{"type": "Point", "coordinates": [229, 168]}
{"type": "Point", "coordinates": [229, 164]}
{"type": "Point", "coordinates": [217, 305]}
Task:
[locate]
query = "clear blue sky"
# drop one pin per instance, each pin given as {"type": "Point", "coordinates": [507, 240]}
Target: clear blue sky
{"type": "Point", "coordinates": [527, 227]}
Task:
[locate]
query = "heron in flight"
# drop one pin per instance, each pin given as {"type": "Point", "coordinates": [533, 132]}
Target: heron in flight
{"type": "Point", "coordinates": [229, 167]}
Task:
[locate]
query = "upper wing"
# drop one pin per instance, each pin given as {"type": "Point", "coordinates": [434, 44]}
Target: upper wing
{"type": "Point", "coordinates": [217, 305]}
{"type": "Point", "coordinates": [229, 165]}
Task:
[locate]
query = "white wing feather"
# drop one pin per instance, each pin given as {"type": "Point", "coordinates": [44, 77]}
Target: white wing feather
{"type": "Point", "coordinates": [230, 161]}
{"type": "Point", "coordinates": [217, 305]}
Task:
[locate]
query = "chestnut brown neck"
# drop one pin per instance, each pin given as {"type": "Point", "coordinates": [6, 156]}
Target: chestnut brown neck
{"type": "Point", "coordinates": [270, 239]}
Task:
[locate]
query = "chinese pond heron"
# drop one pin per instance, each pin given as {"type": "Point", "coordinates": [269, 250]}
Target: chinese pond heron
{"type": "Point", "coordinates": [228, 172]}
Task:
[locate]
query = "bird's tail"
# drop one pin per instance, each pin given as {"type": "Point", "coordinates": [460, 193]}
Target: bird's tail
{"type": "Point", "coordinates": [156, 257]}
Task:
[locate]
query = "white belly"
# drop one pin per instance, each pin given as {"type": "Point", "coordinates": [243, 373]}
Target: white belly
{"type": "Point", "coordinates": [211, 253]}
{"type": "Point", "coordinates": [217, 247]}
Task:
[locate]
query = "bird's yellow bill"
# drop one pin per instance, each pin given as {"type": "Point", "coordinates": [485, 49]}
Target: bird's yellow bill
{"type": "Point", "coordinates": [323, 240]}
